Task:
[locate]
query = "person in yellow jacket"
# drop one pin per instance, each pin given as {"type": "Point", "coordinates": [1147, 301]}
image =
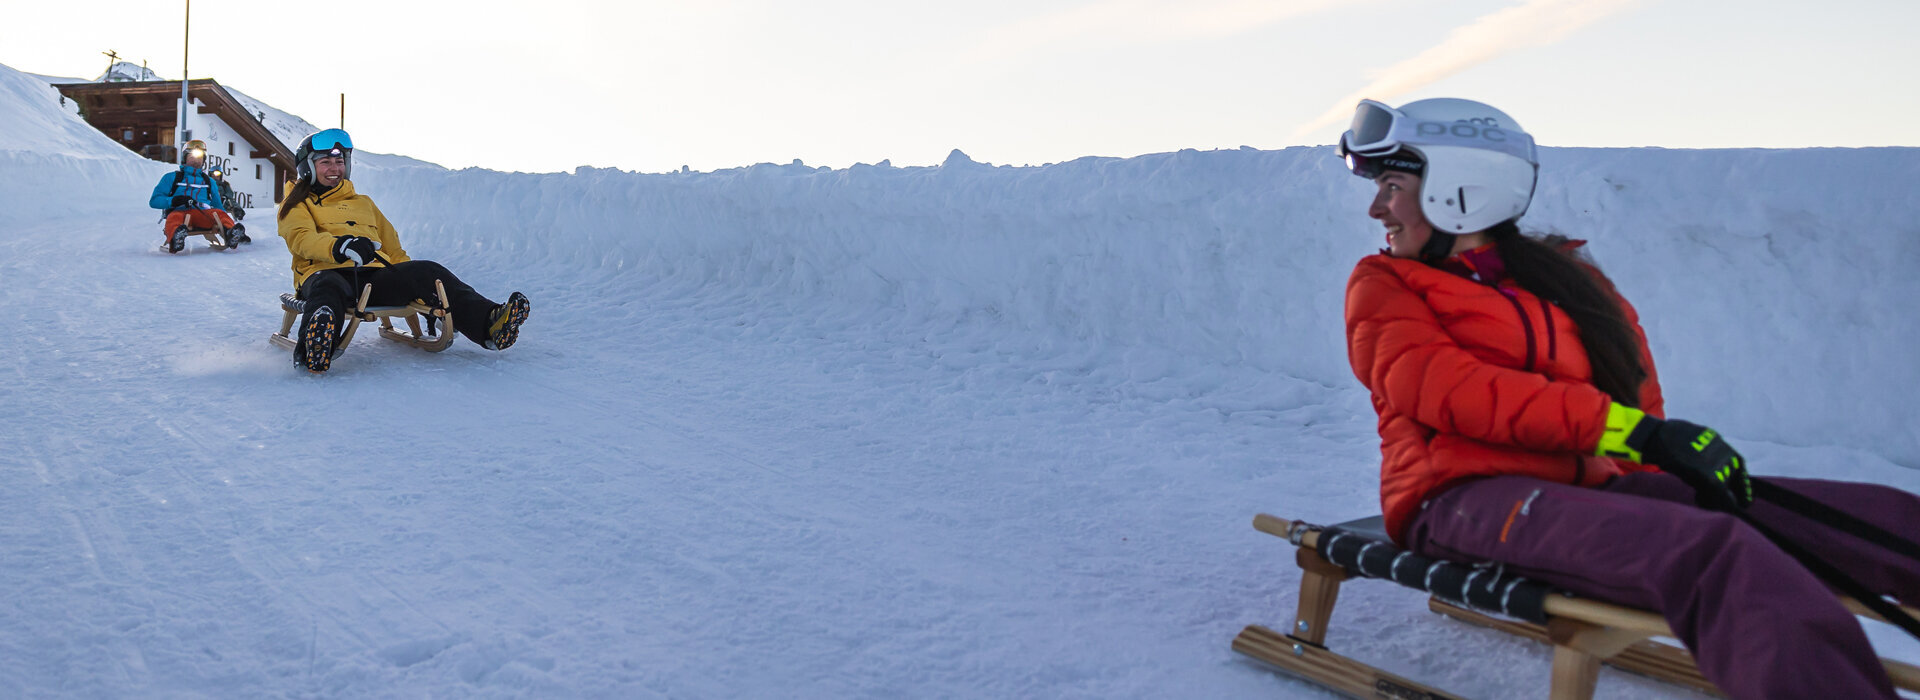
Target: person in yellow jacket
{"type": "Point", "coordinates": [340, 242]}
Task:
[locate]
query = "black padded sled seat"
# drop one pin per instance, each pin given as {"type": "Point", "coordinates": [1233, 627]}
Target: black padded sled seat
{"type": "Point", "coordinates": [1584, 633]}
{"type": "Point", "coordinates": [441, 320]}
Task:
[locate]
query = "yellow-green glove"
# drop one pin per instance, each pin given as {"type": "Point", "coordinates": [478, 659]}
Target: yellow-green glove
{"type": "Point", "coordinates": [1692, 452]}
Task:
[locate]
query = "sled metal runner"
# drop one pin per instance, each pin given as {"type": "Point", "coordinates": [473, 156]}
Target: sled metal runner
{"type": "Point", "coordinates": [1584, 633]}
{"type": "Point", "coordinates": [413, 313]}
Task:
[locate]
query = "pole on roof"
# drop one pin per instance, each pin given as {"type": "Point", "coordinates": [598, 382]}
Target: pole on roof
{"type": "Point", "coordinates": [343, 111]}
{"type": "Point", "coordinates": [180, 130]}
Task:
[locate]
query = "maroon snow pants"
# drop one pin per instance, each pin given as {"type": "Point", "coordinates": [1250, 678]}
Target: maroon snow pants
{"type": "Point", "coordinates": [1758, 623]}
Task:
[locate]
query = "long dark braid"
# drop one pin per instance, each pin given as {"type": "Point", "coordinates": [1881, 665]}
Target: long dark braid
{"type": "Point", "coordinates": [1545, 267]}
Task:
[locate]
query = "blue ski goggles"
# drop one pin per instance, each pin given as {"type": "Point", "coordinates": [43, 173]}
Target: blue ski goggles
{"type": "Point", "coordinates": [1378, 130]}
{"type": "Point", "coordinates": [331, 139]}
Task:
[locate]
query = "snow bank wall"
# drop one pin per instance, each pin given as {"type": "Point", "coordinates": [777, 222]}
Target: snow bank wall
{"type": "Point", "coordinates": [57, 186]}
{"type": "Point", "coordinates": [1201, 254]}
{"type": "Point", "coordinates": [53, 164]}
{"type": "Point", "coordinates": [1776, 285]}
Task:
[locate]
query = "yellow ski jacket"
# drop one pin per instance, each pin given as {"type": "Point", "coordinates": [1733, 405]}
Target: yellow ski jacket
{"type": "Point", "coordinates": [311, 226]}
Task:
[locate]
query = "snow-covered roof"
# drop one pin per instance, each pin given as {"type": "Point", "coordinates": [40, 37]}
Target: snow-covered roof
{"type": "Point", "coordinates": [126, 72]}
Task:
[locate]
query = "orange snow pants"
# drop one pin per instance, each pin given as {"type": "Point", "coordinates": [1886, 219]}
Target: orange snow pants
{"type": "Point", "coordinates": [197, 219]}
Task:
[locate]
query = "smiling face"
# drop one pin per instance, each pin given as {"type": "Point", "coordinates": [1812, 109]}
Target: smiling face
{"type": "Point", "coordinates": [328, 170]}
{"type": "Point", "coordinates": [1396, 203]}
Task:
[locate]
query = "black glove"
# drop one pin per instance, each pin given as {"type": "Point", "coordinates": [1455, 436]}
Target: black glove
{"type": "Point", "coordinates": [181, 201]}
{"type": "Point", "coordinates": [359, 249]}
{"type": "Point", "coordinates": [1697, 455]}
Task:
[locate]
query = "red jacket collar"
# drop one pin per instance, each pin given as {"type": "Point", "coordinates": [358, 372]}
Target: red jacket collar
{"type": "Point", "coordinates": [1484, 264]}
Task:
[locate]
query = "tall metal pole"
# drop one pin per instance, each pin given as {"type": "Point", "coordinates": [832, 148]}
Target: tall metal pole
{"type": "Point", "coordinates": [180, 130]}
{"type": "Point", "coordinates": [343, 111]}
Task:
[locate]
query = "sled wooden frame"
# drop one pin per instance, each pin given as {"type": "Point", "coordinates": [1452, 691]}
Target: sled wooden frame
{"type": "Point", "coordinates": [1584, 634]}
{"type": "Point", "coordinates": [413, 313]}
{"type": "Point", "coordinates": [213, 236]}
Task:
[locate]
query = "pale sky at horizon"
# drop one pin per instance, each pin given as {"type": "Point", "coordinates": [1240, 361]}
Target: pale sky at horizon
{"type": "Point", "coordinates": [652, 85]}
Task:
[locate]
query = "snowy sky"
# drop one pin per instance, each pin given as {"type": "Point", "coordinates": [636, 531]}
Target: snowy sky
{"type": "Point", "coordinates": [653, 84]}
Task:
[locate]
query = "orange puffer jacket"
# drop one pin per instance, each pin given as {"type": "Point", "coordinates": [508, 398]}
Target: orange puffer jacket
{"type": "Point", "coordinates": [1474, 380]}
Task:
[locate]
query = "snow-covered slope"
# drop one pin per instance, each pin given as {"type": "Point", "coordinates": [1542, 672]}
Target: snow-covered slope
{"type": "Point", "coordinates": [51, 160]}
{"type": "Point", "coordinates": [781, 431]}
{"type": "Point", "coordinates": [1775, 285]}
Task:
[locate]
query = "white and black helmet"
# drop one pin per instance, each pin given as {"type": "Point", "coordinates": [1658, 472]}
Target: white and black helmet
{"type": "Point", "coordinates": [1477, 167]}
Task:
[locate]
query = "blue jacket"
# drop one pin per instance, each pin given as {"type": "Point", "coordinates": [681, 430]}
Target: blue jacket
{"type": "Point", "coordinates": [190, 181]}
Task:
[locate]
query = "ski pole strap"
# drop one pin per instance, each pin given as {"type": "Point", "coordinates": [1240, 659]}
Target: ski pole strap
{"type": "Point", "coordinates": [1834, 577]}
{"type": "Point", "coordinates": [1486, 587]}
{"type": "Point", "coordinates": [1833, 517]}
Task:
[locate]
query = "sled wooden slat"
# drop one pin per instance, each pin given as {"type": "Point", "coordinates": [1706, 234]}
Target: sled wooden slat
{"type": "Point", "coordinates": [1648, 658]}
{"type": "Point", "coordinates": [413, 312]}
{"type": "Point", "coordinates": [1584, 634]}
{"type": "Point", "coordinates": [1337, 673]}
{"type": "Point", "coordinates": [353, 323]}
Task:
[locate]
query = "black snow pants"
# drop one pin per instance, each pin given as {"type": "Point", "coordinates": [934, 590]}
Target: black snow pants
{"type": "Point", "coordinates": [399, 285]}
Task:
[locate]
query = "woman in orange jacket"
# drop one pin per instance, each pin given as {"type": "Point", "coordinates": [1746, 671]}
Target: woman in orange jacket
{"type": "Point", "coordinates": [1521, 422]}
{"type": "Point", "coordinates": [340, 242]}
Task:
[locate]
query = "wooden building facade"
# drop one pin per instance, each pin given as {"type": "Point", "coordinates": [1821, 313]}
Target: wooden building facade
{"type": "Point", "coordinates": [142, 116]}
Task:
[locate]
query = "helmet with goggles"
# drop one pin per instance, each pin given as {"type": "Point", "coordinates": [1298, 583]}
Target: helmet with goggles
{"type": "Point", "coordinates": [1477, 167]}
{"type": "Point", "coordinates": [193, 149]}
{"type": "Point", "coordinates": [332, 143]}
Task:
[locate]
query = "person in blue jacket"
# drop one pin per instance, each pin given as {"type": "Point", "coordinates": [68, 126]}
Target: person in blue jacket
{"type": "Point", "coordinates": [191, 199]}
{"type": "Point", "coordinates": [228, 200]}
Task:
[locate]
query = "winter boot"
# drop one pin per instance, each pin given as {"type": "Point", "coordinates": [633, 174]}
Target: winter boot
{"type": "Point", "coordinates": [226, 239]}
{"type": "Point", "coordinates": [239, 232]}
{"type": "Point", "coordinates": [177, 241]}
{"type": "Point", "coordinates": [317, 332]}
{"type": "Point", "coordinates": [504, 327]}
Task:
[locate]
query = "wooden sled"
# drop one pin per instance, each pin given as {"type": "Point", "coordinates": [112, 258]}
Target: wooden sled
{"type": "Point", "coordinates": [1584, 633]}
{"type": "Point", "coordinates": [217, 238]}
{"type": "Point", "coordinates": [413, 312]}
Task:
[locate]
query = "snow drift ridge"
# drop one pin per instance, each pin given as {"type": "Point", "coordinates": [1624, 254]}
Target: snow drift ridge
{"type": "Point", "coordinates": [1773, 283]}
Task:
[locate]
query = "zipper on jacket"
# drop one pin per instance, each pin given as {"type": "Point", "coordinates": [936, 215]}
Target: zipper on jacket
{"type": "Point", "coordinates": [1553, 343]}
{"type": "Point", "coordinates": [1526, 323]}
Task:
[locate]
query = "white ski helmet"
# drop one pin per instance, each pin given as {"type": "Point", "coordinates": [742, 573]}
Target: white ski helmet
{"type": "Point", "coordinates": [1479, 169]}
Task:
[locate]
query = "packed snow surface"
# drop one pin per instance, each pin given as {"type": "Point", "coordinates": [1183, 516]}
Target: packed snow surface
{"type": "Point", "coordinates": [780, 431]}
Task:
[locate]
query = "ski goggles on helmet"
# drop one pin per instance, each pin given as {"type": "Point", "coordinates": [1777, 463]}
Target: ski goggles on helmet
{"type": "Point", "coordinates": [1399, 160]}
{"type": "Point", "coordinates": [1378, 130]}
{"type": "Point", "coordinates": [330, 140]}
